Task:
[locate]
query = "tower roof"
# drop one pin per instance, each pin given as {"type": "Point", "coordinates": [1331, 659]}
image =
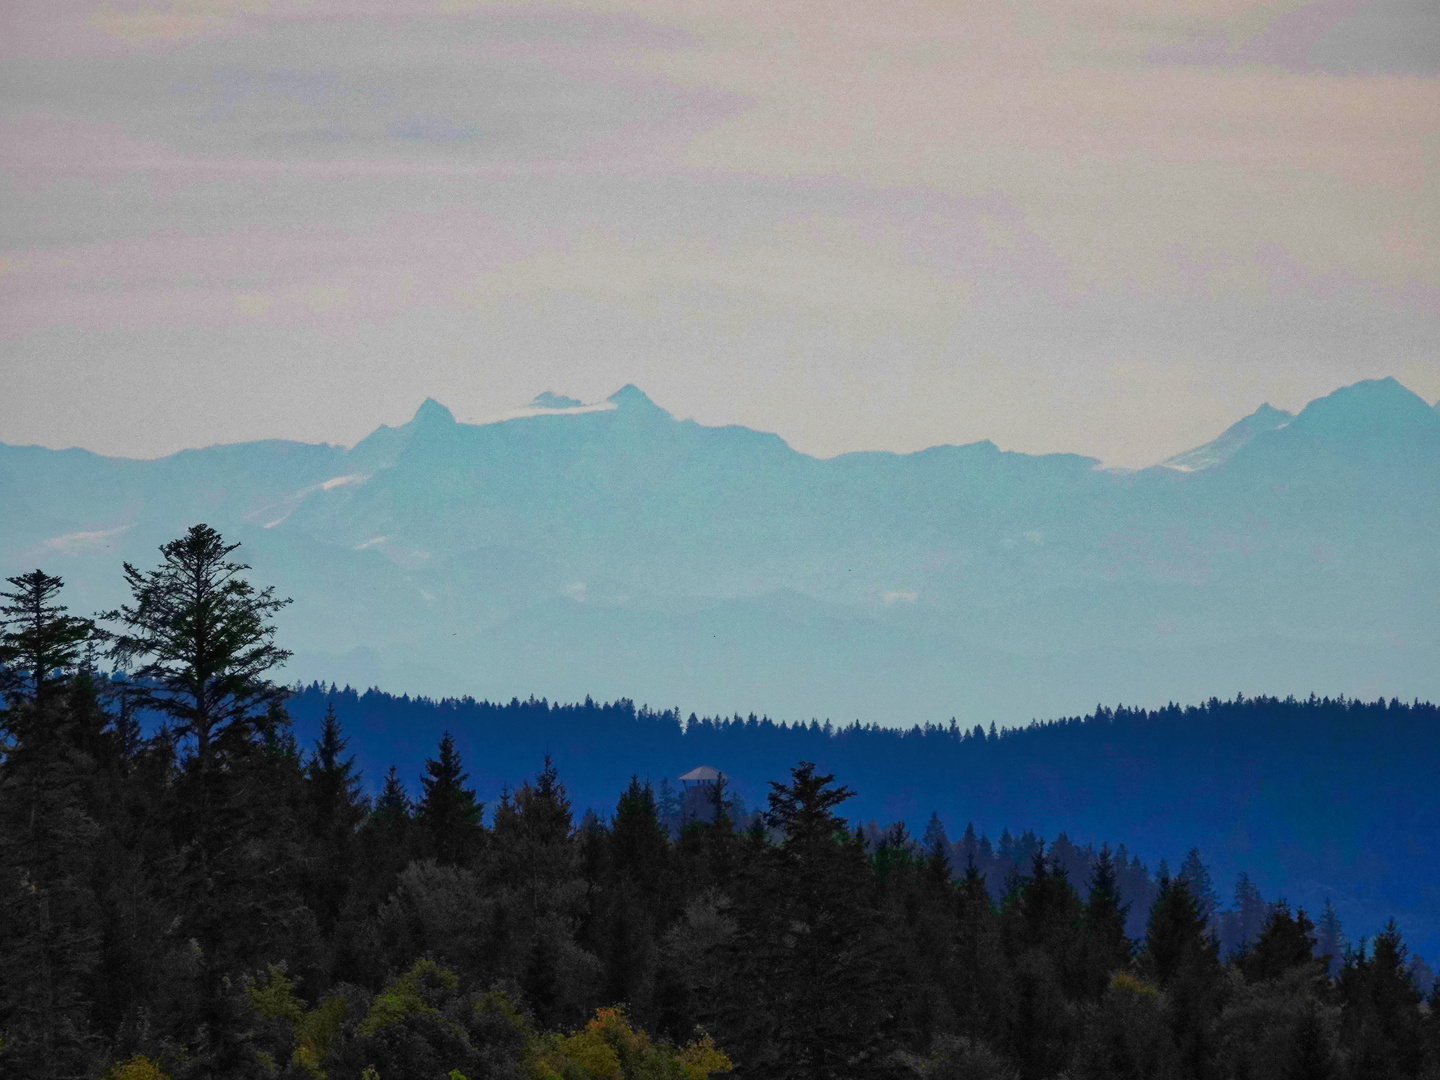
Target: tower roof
{"type": "Point", "coordinates": [702, 773]}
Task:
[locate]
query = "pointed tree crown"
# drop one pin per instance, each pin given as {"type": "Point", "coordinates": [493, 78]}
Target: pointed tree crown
{"type": "Point", "coordinates": [804, 809]}
{"type": "Point", "coordinates": [40, 645]}
{"type": "Point", "coordinates": [334, 783]}
{"type": "Point", "coordinates": [448, 810]}
{"type": "Point", "coordinates": [203, 639]}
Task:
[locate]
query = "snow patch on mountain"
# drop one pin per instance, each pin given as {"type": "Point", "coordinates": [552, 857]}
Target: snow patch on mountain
{"type": "Point", "coordinates": [344, 481]}
{"type": "Point", "coordinates": [548, 404]}
{"type": "Point", "coordinates": [1264, 419]}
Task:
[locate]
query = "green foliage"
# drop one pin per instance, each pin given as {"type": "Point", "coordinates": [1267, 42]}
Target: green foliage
{"type": "Point", "coordinates": [138, 1067]}
{"type": "Point", "coordinates": [309, 1032]}
{"type": "Point", "coordinates": [275, 998]}
{"type": "Point", "coordinates": [1122, 982]}
{"type": "Point", "coordinates": [608, 1048]}
{"type": "Point", "coordinates": [410, 995]}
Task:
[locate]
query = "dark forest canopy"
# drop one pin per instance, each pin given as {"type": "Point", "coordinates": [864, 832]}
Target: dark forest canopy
{"type": "Point", "coordinates": [270, 921]}
{"type": "Point", "coordinates": [216, 897]}
{"type": "Point", "coordinates": [1313, 799]}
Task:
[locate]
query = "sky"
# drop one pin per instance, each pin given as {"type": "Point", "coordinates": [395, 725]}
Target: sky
{"type": "Point", "coordinates": [1111, 227]}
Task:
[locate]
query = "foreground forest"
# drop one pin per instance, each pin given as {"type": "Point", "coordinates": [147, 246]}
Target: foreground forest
{"type": "Point", "coordinates": [208, 898]}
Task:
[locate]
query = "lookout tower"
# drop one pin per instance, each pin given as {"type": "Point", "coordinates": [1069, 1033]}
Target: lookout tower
{"type": "Point", "coordinates": [702, 776]}
{"type": "Point", "coordinates": [702, 785]}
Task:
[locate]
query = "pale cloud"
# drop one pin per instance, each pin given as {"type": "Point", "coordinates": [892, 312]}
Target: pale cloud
{"type": "Point", "coordinates": [78, 543]}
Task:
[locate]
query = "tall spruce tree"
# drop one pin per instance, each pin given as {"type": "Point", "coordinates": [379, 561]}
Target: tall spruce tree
{"type": "Point", "coordinates": [448, 813]}
{"type": "Point", "coordinates": [1106, 947]}
{"type": "Point", "coordinates": [639, 846]}
{"type": "Point", "coordinates": [1183, 956]}
{"type": "Point", "coordinates": [51, 795]}
{"type": "Point", "coordinates": [41, 646]}
{"type": "Point", "coordinates": [204, 642]}
{"type": "Point", "coordinates": [1196, 877]}
{"type": "Point", "coordinates": [386, 841]}
{"type": "Point", "coordinates": [632, 900]}
{"type": "Point", "coordinates": [332, 789]}
{"type": "Point", "coordinates": [980, 991]}
{"type": "Point", "coordinates": [810, 998]}
{"type": "Point", "coordinates": [937, 851]}
{"type": "Point", "coordinates": [332, 780]}
{"type": "Point", "coordinates": [199, 641]}
{"type": "Point", "coordinates": [1175, 936]}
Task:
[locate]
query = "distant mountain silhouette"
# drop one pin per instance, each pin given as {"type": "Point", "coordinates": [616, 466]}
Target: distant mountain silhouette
{"type": "Point", "coordinates": [614, 550]}
{"type": "Point", "coordinates": [1266, 418]}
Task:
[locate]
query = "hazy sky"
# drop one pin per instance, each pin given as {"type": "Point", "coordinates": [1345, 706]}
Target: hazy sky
{"type": "Point", "coordinates": [1111, 227]}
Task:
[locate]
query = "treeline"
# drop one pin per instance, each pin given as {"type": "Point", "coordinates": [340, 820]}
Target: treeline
{"type": "Point", "coordinates": [208, 899]}
{"type": "Point", "coordinates": [1312, 798]}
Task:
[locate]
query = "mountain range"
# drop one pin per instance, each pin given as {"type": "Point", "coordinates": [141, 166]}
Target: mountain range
{"type": "Point", "coordinates": [612, 550]}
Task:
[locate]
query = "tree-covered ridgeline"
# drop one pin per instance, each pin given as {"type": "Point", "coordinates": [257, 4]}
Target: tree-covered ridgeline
{"type": "Point", "coordinates": [208, 898]}
{"type": "Point", "coordinates": [1310, 798]}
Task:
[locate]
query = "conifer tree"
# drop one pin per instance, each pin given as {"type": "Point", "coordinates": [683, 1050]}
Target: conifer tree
{"type": "Point", "coordinates": [1047, 910]}
{"type": "Point", "coordinates": [1042, 918]}
{"type": "Point", "coordinates": [1196, 877]}
{"type": "Point", "coordinates": [1287, 941]}
{"type": "Point", "coordinates": [630, 906]}
{"type": "Point", "coordinates": [385, 841]}
{"type": "Point", "coordinates": [536, 865]}
{"type": "Point", "coordinates": [40, 645]}
{"type": "Point", "coordinates": [448, 813]}
{"type": "Point", "coordinates": [639, 845]}
{"type": "Point", "coordinates": [894, 857]}
{"type": "Point", "coordinates": [980, 988]}
{"type": "Point", "coordinates": [57, 789]}
{"type": "Point", "coordinates": [937, 851]}
{"type": "Point", "coordinates": [1330, 943]}
{"type": "Point", "coordinates": [810, 1000]}
{"type": "Point", "coordinates": [1107, 949]}
{"type": "Point", "coordinates": [1175, 937]}
{"type": "Point", "coordinates": [393, 805]}
{"type": "Point", "coordinates": [332, 789]}
{"type": "Point", "coordinates": [1381, 1016]}
{"type": "Point", "coordinates": [333, 783]}
{"type": "Point", "coordinates": [205, 643]}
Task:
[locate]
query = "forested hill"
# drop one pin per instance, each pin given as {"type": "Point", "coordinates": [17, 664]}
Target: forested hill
{"type": "Point", "coordinates": [1314, 799]}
